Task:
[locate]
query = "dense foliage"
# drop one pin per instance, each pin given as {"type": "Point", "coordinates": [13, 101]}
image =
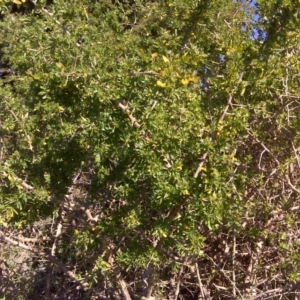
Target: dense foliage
{"type": "Point", "coordinates": [149, 148]}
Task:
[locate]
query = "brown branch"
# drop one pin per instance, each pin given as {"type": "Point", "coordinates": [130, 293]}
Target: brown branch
{"type": "Point", "coordinates": [38, 253]}
{"type": "Point", "coordinates": [150, 73]}
{"type": "Point", "coordinates": [148, 281]}
{"type": "Point", "coordinates": [178, 283]}
{"type": "Point", "coordinates": [204, 293]}
{"type": "Point", "coordinates": [201, 164]}
{"type": "Point", "coordinates": [32, 240]}
{"type": "Point", "coordinates": [23, 183]}
{"type": "Point", "coordinates": [234, 265]}
{"type": "Point", "coordinates": [234, 286]}
{"type": "Point", "coordinates": [89, 215]}
{"type": "Point", "coordinates": [279, 291]}
{"type": "Point", "coordinates": [291, 185]}
{"type": "Point", "coordinates": [53, 250]}
{"type": "Point", "coordinates": [118, 274]}
{"type": "Point", "coordinates": [266, 149]}
{"type": "Point", "coordinates": [133, 120]}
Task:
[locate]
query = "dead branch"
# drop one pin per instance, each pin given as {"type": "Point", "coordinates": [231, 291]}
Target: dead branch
{"type": "Point", "coordinates": [291, 185]}
{"type": "Point", "coordinates": [53, 250]}
{"type": "Point", "coordinates": [178, 283]}
{"type": "Point", "coordinates": [226, 276]}
{"type": "Point", "coordinates": [89, 215]}
{"type": "Point", "coordinates": [118, 274]}
{"type": "Point", "coordinates": [292, 287]}
{"type": "Point", "coordinates": [149, 282]}
{"type": "Point", "coordinates": [39, 253]}
{"type": "Point", "coordinates": [234, 264]}
{"type": "Point", "coordinates": [204, 294]}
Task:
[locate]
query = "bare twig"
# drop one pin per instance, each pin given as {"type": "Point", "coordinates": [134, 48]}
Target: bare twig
{"type": "Point", "coordinates": [291, 185]}
{"type": "Point", "coordinates": [23, 183]}
{"type": "Point", "coordinates": [132, 118]}
{"type": "Point", "coordinates": [38, 253]}
{"type": "Point", "coordinates": [227, 23]}
{"type": "Point", "coordinates": [201, 164]}
{"type": "Point", "coordinates": [53, 250]}
{"type": "Point", "coordinates": [118, 274]}
{"type": "Point", "coordinates": [266, 149]}
{"type": "Point", "coordinates": [89, 215]}
{"type": "Point", "coordinates": [233, 264]}
{"type": "Point", "coordinates": [203, 294]}
{"type": "Point", "coordinates": [178, 283]}
{"type": "Point", "coordinates": [226, 276]}
{"type": "Point", "coordinates": [296, 154]}
{"type": "Point", "coordinates": [279, 291]}
{"type": "Point", "coordinates": [149, 282]}
{"type": "Point", "coordinates": [57, 235]}
{"type": "Point", "coordinates": [150, 73]}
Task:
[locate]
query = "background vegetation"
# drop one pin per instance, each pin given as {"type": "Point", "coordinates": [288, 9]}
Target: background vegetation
{"type": "Point", "coordinates": [149, 149]}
